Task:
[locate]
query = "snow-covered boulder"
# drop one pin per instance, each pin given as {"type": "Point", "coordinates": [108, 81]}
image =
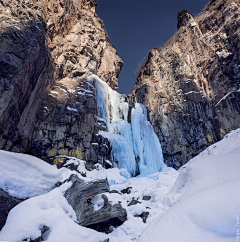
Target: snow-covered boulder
{"type": "Point", "coordinates": [24, 176]}
{"type": "Point", "coordinates": [92, 207]}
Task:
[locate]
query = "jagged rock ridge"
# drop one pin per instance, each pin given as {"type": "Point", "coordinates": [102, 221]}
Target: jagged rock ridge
{"type": "Point", "coordinates": [191, 85]}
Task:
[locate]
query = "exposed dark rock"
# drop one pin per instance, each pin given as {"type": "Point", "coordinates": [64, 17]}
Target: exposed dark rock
{"type": "Point", "coordinates": [46, 108]}
{"type": "Point", "coordinates": [81, 197]}
{"type": "Point", "coordinates": [103, 219]}
{"type": "Point", "coordinates": [26, 71]}
{"type": "Point", "coordinates": [6, 204]}
{"type": "Point", "coordinates": [146, 198]}
{"type": "Point", "coordinates": [115, 191]}
{"type": "Point", "coordinates": [106, 240]}
{"type": "Point", "coordinates": [183, 18]}
{"type": "Point", "coordinates": [127, 190]}
{"type": "Point", "coordinates": [143, 216]}
{"type": "Point", "coordinates": [81, 190]}
{"type": "Point", "coordinates": [133, 202]}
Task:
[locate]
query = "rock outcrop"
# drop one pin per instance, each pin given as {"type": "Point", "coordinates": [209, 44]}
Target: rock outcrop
{"type": "Point", "coordinates": [191, 84]}
{"type": "Point", "coordinates": [47, 48]}
{"type": "Point", "coordinates": [92, 208]}
{"type": "Point", "coordinates": [6, 204]}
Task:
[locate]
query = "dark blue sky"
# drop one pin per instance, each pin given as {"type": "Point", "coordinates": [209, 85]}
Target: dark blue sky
{"type": "Point", "coordinates": [137, 26]}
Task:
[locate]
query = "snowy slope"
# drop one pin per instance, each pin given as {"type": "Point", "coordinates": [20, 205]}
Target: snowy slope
{"type": "Point", "coordinates": [199, 203]}
{"type": "Point", "coordinates": [25, 176]}
{"type": "Point", "coordinates": [52, 210]}
{"type": "Point", "coordinates": [28, 176]}
{"type": "Point", "coordinates": [205, 199]}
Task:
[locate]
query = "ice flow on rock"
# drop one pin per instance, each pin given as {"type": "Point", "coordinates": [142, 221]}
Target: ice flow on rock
{"type": "Point", "coordinates": [135, 146]}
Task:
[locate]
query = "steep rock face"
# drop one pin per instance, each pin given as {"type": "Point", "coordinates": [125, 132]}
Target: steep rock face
{"type": "Point", "coordinates": [191, 85]}
{"type": "Point", "coordinates": [75, 36]}
{"type": "Point", "coordinates": [48, 48]}
{"type": "Point", "coordinates": [67, 124]}
{"type": "Point", "coordinates": [26, 70]}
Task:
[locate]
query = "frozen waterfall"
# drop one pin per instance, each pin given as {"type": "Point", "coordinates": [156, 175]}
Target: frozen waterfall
{"type": "Point", "coordinates": [135, 146]}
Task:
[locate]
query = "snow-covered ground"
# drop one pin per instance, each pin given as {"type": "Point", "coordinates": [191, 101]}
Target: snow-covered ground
{"type": "Point", "coordinates": [208, 205]}
{"type": "Point", "coordinates": [201, 202]}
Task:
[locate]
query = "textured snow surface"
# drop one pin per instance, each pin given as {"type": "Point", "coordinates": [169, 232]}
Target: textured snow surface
{"type": "Point", "coordinates": [52, 210]}
{"type": "Point", "coordinates": [205, 198]}
{"type": "Point", "coordinates": [25, 176]}
{"type": "Point", "coordinates": [114, 175]}
{"type": "Point", "coordinates": [135, 146]}
{"type": "Point", "coordinates": [199, 203]}
{"type": "Point", "coordinates": [156, 186]}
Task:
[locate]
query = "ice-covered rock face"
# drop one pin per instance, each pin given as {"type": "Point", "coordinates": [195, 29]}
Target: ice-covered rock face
{"type": "Point", "coordinates": [135, 145]}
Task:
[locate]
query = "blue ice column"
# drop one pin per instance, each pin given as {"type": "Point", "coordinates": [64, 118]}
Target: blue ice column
{"type": "Point", "coordinates": [146, 145]}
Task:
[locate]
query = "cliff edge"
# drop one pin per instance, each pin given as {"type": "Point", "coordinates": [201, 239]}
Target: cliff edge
{"type": "Point", "coordinates": [191, 84]}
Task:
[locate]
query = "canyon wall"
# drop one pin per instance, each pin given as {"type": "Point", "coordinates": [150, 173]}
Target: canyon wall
{"type": "Point", "coordinates": [47, 49]}
{"type": "Point", "coordinates": [191, 84]}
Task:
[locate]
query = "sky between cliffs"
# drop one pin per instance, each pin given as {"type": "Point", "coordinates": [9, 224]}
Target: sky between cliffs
{"type": "Point", "coordinates": [137, 26]}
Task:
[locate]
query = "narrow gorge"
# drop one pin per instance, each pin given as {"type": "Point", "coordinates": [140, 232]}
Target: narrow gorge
{"type": "Point", "coordinates": [88, 160]}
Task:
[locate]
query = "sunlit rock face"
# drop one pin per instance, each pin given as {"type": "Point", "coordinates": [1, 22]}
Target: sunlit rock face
{"type": "Point", "coordinates": [190, 86]}
{"type": "Point", "coordinates": [47, 48]}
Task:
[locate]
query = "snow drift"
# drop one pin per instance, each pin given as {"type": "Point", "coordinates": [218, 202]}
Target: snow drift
{"type": "Point", "coordinates": [25, 176]}
{"type": "Point", "coordinates": [205, 198]}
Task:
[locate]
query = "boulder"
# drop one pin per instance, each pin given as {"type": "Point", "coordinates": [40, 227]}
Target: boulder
{"type": "Point", "coordinates": [92, 208]}
{"type": "Point", "coordinates": [6, 204]}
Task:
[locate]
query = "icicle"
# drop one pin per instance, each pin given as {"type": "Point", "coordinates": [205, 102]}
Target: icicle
{"type": "Point", "coordinates": [146, 145]}
{"type": "Point", "coordinates": [135, 146]}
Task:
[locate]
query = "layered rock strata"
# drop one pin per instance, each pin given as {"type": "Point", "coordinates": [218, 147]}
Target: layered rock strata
{"type": "Point", "coordinates": [191, 84]}
{"type": "Point", "coordinates": [84, 198]}
{"type": "Point", "coordinates": [46, 49]}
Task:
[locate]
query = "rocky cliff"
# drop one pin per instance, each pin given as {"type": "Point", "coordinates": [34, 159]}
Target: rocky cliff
{"type": "Point", "coordinates": [47, 48]}
{"type": "Point", "coordinates": [191, 84]}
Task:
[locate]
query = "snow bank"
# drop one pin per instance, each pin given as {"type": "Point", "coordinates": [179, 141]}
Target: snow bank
{"type": "Point", "coordinates": [205, 198]}
{"type": "Point", "coordinates": [229, 143]}
{"type": "Point", "coordinates": [52, 210]}
{"type": "Point", "coordinates": [25, 176]}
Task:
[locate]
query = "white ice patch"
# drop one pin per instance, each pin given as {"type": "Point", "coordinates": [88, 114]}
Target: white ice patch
{"type": "Point", "coordinates": [146, 146]}
{"type": "Point", "coordinates": [72, 109]}
{"type": "Point", "coordinates": [111, 105]}
{"type": "Point", "coordinates": [122, 152]}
